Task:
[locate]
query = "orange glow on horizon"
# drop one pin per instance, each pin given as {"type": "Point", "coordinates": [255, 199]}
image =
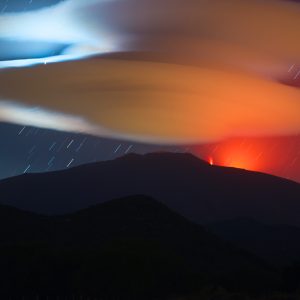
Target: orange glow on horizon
{"type": "Point", "coordinates": [237, 153]}
{"type": "Point", "coordinates": [240, 155]}
{"type": "Point", "coordinates": [241, 161]}
{"type": "Point", "coordinates": [276, 156]}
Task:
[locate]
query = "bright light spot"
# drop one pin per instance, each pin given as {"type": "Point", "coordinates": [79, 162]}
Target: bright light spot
{"type": "Point", "coordinates": [57, 24]}
{"type": "Point", "coordinates": [39, 61]}
{"type": "Point", "coordinates": [13, 112]}
{"type": "Point", "coordinates": [211, 161]}
{"type": "Point", "coordinates": [35, 116]}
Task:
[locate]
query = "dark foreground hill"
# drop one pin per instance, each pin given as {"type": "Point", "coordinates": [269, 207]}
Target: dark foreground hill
{"type": "Point", "coordinates": [129, 248]}
{"type": "Point", "coordinates": [277, 244]}
{"type": "Point", "coordinates": [190, 186]}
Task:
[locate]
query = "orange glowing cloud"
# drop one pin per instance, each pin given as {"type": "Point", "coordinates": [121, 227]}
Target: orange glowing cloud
{"type": "Point", "coordinates": [155, 102]}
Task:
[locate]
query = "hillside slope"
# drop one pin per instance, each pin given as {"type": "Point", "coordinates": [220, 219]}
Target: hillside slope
{"type": "Point", "coordinates": [193, 188]}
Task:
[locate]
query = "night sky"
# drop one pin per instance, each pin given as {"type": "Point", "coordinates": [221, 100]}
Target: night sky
{"type": "Point", "coordinates": [29, 149]}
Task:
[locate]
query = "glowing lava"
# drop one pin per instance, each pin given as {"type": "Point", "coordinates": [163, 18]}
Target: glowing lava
{"type": "Point", "coordinates": [278, 156]}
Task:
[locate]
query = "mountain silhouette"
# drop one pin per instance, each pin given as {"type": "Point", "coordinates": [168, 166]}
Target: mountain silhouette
{"type": "Point", "coordinates": [133, 247]}
{"type": "Point", "coordinates": [184, 183]}
{"type": "Point", "coordinates": [133, 217]}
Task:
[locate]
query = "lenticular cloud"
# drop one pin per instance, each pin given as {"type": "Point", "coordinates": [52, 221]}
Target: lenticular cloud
{"type": "Point", "coordinates": [167, 71]}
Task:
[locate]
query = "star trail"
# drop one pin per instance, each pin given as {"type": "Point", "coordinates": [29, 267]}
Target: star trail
{"type": "Point", "coordinates": [28, 149]}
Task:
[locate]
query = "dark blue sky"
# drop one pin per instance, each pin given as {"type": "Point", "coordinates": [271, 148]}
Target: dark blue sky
{"type": "Point", "coordinates": [37, 150]}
